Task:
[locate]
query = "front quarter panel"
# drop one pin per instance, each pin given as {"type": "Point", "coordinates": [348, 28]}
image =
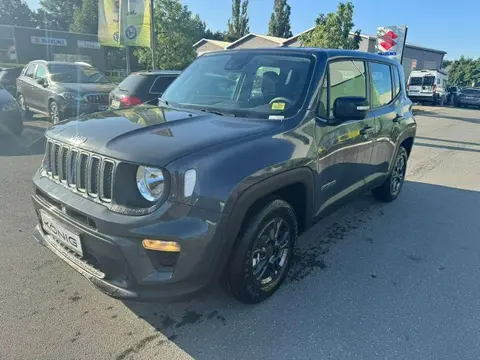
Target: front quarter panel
{"type": "Point", "coordinates": [224, 172]}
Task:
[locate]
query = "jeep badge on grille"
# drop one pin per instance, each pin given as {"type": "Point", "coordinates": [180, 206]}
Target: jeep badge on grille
{"type": "Point", "coordinates": [78, 140]}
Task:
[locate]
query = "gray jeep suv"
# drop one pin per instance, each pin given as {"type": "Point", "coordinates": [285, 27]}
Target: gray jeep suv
{"type": "Point", "coordinates": [246, 150]}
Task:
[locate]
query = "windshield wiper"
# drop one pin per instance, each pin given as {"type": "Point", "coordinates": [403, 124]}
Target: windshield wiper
{"type": "Point", "coordinates": [216, 112]}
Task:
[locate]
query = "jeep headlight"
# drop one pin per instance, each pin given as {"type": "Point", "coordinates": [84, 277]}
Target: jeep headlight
{"type": "Point", "coordinates": [150, 183]}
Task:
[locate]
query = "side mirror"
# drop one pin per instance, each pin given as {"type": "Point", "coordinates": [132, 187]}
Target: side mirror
{"type": "Point", "coordinates": [350, 108]}
{"type": "Point", "coordinates": [42, 82]}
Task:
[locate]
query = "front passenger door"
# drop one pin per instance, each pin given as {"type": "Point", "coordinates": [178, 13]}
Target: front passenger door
{"type": "Point", "coordinates": [40, 93]}
{"type": "Point", "coordinates": [344, 149]}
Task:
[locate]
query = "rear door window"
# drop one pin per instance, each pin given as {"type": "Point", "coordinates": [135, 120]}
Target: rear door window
{"type": "Point", "coordinates": [136, 81]}
{"type": "Point", "coordinates": [30, 70]}
{"type": "Point", "coordinates": [416, 81]}
{"type": "Point", "coordinates": [429, 81]}
{"type": "Point", "coordinates": [161, 84]}
{"type": "Point", "coordinates": [382, 86]}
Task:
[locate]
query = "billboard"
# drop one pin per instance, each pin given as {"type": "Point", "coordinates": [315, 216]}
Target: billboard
{"type": "Point", "coordinates": [109, 22]}
{"type": "Point", "coordinates": [135, 22]}
{"type": "Point", "coordinates": [391, 41]}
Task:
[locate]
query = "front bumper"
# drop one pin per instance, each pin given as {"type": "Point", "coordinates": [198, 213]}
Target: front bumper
{"type": "Point", "coordinates": [114, 259]}
{"type": "Point", "coordinates": [71, 109]}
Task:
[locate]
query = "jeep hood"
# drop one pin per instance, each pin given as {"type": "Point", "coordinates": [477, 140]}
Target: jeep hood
{"type": "Point", "coordinates": [153, 135]}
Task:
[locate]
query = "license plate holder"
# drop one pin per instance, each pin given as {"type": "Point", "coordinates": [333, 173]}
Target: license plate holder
{"type": "Point", "coordinates": [115, 104]}
{"type": "Point", "coordinates": [61, 234]}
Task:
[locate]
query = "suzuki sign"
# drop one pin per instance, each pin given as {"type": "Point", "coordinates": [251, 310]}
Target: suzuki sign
{"type": "Point", "coordinates": [39, 40]}
{"type": "Point", "coordinates": [391, 41]}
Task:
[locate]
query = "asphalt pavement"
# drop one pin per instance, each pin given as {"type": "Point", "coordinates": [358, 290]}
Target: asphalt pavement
{"type": "Point", "coordinates": [372, 281]}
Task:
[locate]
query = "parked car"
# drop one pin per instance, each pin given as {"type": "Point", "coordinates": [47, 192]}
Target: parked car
{"type": "Point", "coordinates": [141, 88]}
{"type": "Point", "coordinates": [468, 97]}
{"type": "Point", "coordinates": [11, 120]}
{"type": "Point", "coordinates": [452, 94]}
{"type": "Point", "coordinates": [159, 201]}
{"type": "Point", "coordinates": [428, 86]}
{"type": "Point", "coordinates": [60, 89]}
{"type": "Point", "coordinates": [8, 78]}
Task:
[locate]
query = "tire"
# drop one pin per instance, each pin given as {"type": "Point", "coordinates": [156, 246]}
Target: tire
{"type": "Point", "coordinates": [246, 279]}
{"type": "Point", "coordinates": [392, 187]}
{"type": "Point", "coordinates": [54, 112]}
{"type": "Point", "coordinates": [23, 106]}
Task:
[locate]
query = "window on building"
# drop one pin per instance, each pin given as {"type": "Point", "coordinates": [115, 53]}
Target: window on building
{"type": "Point", "coordinates": [381, 84]}
{"type": "Point", "coordinates": [41, 72]}
{"type": "Point", "coordinates": [345, 78]}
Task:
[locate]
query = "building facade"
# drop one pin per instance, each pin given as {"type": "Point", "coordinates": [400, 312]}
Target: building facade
{"type": "Point", "coordinates": [21, 44]}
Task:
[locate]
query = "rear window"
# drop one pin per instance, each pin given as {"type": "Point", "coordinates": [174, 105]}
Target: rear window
{"type": "Point", "coordinates": [10, 74]}
{"type": "Point", "coordinates": [136, 81]}
{"type": "Point", "coordinates": [429, 81]}
{"type": "Point", "coordinates": [161, 84]}
{"type": "Point", "coordinates": [416, 81]}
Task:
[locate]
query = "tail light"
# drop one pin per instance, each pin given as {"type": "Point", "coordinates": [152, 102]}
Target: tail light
{"type": "Point", "coordinates": [435, 88]}
{"type": "Point", "coordinates": [128, 101]}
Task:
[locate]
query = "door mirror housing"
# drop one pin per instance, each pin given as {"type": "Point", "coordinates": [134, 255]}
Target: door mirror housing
{"type": "Point", "coordinates": [350, 108]}
{"type": "Point", "coordinates": [43, 82]}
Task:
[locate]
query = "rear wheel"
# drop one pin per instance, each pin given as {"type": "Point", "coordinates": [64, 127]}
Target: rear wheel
{"type": "Point", "coordinates": [263, 255]}
{"type": "Point", "coordinates": [391, 188]}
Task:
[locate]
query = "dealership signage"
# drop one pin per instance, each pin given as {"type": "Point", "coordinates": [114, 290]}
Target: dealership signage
{"type": "Point", "coordinates": [88, 44]}
{"type": "Point", "coordinates": [391, 41]}
{"type": "Point", "coordinates": [39, 40]}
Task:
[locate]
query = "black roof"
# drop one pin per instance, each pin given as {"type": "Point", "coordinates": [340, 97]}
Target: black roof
{"type": "Point", "coordinates": [320, 52]}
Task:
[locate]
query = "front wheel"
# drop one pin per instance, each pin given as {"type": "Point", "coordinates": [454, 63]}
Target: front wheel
{"type": "Point", "coordinates": [54, 112]}
{"type": "Point", "coordinates": [23, 106]}
{"type": "Point", "coordinates": [391, 188]}
{"type": "Point", "coordinates": [263, 255]}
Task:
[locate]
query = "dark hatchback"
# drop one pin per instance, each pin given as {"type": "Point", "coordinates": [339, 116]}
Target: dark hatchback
{"type": "Point", "coordinates": [11, 119]}
{"type": "Point", "coordinates": [468, 97]}
{"type": "Point", "coordinates": [141, 88]}
{"type": "Point", "coordinates": [61, 90]}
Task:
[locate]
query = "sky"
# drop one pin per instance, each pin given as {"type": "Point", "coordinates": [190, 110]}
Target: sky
{"type": "Point", "coordinates": [448, 25]}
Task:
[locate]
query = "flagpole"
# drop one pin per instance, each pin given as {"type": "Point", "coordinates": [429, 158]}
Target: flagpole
{"type": "Point", "coordinates": [152, 31]}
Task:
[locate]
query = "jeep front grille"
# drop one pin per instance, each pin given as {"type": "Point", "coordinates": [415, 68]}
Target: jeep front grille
{"type": "Point", "coordinates": [80, 170]}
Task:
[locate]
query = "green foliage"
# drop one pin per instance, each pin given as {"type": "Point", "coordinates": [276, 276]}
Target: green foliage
{"type": "Point", "coordinates": [217, 35]}
{"type": "Point", "coordinates": [279, 25]}
{"type": "Point", "coordinates": [85, 19]}
{"type": "Point", "coordinates": [238, 24]}
{"type": "Point", "coordinates": [464, 72]}
{"type": "Point", "coordinates": [333, 30]}
{"type": "Point", "coordinates": [16, 12]}
{"type": "Point", "coordinates": [176, 31]}
{"type": "Point", "coordinates": [58, 14]}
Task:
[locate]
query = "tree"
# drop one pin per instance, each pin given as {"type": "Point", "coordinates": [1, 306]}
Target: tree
{"type": "Point", "coordinates": [85, 19]}
{"type": "Point", "coordinates": [279, 25]}
{"type": "Point", "coordinates": [238, 24]}
{"type": "Point", "coordinates": [58, 14]}
{"type": "Point", "coordinates": [333, 30]}
{"type": "Point", "coordinates": [176, 32]}
{"type": "Point", "coordinates": [464, 72]}
{"type": "Point", "coordinates": [17, 13]}
{"type": "Point", "coordinates": [217, 35]}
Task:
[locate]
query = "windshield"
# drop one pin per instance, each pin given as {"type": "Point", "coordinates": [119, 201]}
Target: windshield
{"type": "Point", "coordinates": [76, 74]}
{"type": "Point", "coordinates": [244, 84]}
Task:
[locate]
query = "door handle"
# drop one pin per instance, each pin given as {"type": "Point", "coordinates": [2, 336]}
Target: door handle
{"type": "Point", "coordinates": [398, 118]}
{"type": "Point", "coordinates": [366, 130]}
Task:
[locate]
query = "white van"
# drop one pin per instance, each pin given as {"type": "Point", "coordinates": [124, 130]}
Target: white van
{"type": "Point", "coordinates": [427, 86]}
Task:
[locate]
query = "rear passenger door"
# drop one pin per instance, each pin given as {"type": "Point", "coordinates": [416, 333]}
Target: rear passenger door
{"type": "Point", "coordinates": [386, 105]}
{"type": "Point", "coordinates": [344, 149]}
{"type": "Point", "coordinates": [26, 83]}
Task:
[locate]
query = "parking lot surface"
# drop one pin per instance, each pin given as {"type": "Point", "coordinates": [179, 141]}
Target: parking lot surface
{"type": "Point", "coordinates": [372, 281]}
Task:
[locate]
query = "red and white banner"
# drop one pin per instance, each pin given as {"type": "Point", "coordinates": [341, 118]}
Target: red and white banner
{"type": "Point", "coordinates": [391, 41]}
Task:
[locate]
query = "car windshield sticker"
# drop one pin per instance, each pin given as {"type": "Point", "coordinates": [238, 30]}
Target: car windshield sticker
{"type": "Point", "coordinates": [278, 106]}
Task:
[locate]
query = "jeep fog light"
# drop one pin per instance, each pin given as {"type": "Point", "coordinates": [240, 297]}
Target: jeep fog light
{"type": "Point", "coordinates": [161, 245]}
